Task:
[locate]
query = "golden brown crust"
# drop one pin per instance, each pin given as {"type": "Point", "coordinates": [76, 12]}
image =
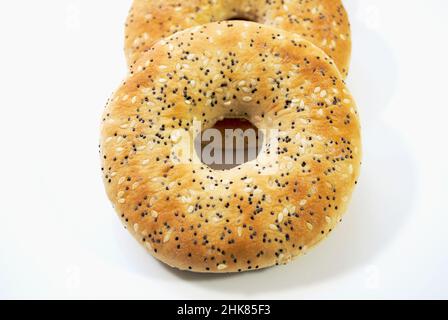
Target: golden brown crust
{"type": "Point", "coordinates": [260, 213]}
{"type": "Point", "coordinates": [323, 22]}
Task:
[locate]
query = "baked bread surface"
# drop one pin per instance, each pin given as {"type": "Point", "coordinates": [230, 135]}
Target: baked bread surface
{"type": "Point", "coordinates": [264, 212]}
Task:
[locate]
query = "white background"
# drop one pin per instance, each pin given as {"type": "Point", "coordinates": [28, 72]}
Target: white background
{"type": "Point", "coordinates": [60, 238]}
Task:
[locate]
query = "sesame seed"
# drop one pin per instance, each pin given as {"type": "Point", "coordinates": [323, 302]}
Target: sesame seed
{"type": "Point", "coordinates": [167, 236]}
{"type": "Point", "coordinates": [280, 217]}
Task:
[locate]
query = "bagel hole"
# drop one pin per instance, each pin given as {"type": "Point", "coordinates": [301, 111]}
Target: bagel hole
{"type": "Point", "coordinates": [238, 15]}
{"type": "Point", "coordinates": [230, 143]}
{"type": "Point", "coordinates": [241, 18]}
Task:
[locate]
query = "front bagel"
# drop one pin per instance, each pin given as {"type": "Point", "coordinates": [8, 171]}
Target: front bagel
{"type": "Point", "coordinates": [258, 214]}
{"type": "Point", "coordinates": [323, 22]}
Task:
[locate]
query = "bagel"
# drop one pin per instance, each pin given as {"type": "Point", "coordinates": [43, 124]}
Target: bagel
{"type": "Point", "coordinates": [323, 22]}
{"type": "Point", "coordinates": [258, 214]}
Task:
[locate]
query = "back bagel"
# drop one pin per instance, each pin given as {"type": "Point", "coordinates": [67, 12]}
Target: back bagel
{"type": "Point", "coordinates": [323, 22]}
